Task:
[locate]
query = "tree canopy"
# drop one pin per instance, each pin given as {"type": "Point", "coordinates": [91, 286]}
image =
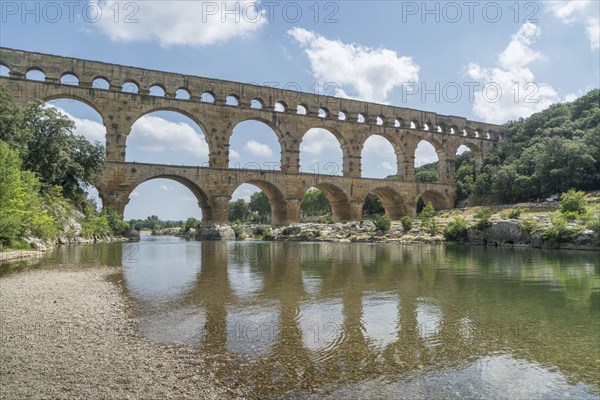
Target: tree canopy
{"type": "Point", "coordinates": [47, 146]}
{"type": "Point", "coordinates": [549, 152]}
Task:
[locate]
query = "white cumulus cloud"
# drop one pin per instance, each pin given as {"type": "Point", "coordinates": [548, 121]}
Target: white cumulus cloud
{"type": "Point", "coordinates": [371, 73]}
{"type": "Point", "coordinates": [258, 149]}
{"type": "Point", "coordinates": [318, 140]}
{"type": "Point", "coordinates": [510, 91]}
{"type": "Point", "coordinates": [579, 11]}
{"type": "Point", "coordinates": [379, 146]}
{"type": "Point", "coordinates": [155, 134]}
{"type": "Point", "coordinates": [91, 130]}
{"type": "Point", "coordinates": [387, 166]}
{"type": "Point", "coordinates": [193, 23]}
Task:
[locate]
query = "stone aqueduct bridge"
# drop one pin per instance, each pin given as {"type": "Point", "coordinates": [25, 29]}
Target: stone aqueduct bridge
{"type": "Point", "coordinates": [209, 105]}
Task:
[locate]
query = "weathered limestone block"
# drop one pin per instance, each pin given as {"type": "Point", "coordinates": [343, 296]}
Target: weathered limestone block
{"type": "Point", "coordinates": [212, 231]}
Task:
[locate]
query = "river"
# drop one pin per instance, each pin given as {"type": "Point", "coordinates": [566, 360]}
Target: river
{"type": "Point", "coordinates": [359, 320]}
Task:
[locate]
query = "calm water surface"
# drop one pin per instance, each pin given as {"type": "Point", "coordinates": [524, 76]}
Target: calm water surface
{"type": "Point", "coordinates": [314, 320]}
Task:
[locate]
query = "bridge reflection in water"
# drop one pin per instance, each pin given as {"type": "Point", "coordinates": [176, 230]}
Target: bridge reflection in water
{"type": "Point", "coordinates": [298, 317]}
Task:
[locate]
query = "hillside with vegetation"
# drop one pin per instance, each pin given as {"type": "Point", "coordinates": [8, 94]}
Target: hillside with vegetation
{"type": "Point", "coordinates": [45, 169]}
{"type": "Point", "coordinates": [550, 152]}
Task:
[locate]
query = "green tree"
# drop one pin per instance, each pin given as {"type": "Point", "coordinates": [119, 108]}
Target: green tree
{"type": "Point", "coordinates": [153, 222]}
{"type": "Point", "coordinates": [315, 203]}
{"type": "Point", "coordinates": [383, 223]}
{"type": "Point", "coordinates": [238, 211]}
{"type": "Point", "coordinates": [427, 173]}
{"type": "Point", "coordinates": [547, 153]}
{"type": "Point", "coordinates": [259, 204]}
{"type": "Point", "coordinates": [573, 201]}
{"type": "Point", "coordinates": [373, 205]}
{"type": "Point", "coordinates": [191, 223]}
{"type": "Point", "coordinates": [47, 146]}
{"type": "Point", "coordinates": [12, 195]}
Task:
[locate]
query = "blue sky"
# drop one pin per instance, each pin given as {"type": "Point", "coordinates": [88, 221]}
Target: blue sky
{"type": "Point", "coordinates": [490, 61]}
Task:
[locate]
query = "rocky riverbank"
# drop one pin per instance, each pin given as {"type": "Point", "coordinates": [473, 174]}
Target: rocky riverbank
{"type": "Point", "coordinates": [66, 333]}
{"type": "Point", "coordinates": [525, 225]}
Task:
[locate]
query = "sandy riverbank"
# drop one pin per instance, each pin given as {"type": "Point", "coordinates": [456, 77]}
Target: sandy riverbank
{"type": "Point", "coordinates": [65, 333]}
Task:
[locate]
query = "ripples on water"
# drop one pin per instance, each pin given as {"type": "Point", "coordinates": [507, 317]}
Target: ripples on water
{"type": "Point", "coordinates": [330, 320]}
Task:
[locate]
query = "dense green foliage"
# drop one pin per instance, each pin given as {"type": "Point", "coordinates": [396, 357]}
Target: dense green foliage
{"type": "Point", "coordinates": [407, 224]}
{"type": "Point", "coordinates": [315, 203]}
{"type": "Point", "coordinates": [456, 230]}
{"type": "Point", "coordinates": [154, 223]}
{"type": "Point", "coordinates": [427, 172]}
{"type": "Point", "coordinates": [549, 152]}
{"type": "Point", "coordinates": [372, 205]}
{"type": "Point", "coordinates": [239, 211]}
{"type": "Point", "coordinates": [427, 217]}
{"type": "Point", "coordinates": [573, 201]}
{"type": "Point", "coordinates": [259, 205]}
{"type": "Point", "coordinates": [44, 170]}
{"type": "Point", "coordinates": [22, 209]}
{"type": "Point", "coordinates": [464, 174]}
{"type": "Point", "coordinates": [383, 223]}
{"type": "Point", "coordinates": [47, 146]}
{"type": "Point", "coordinates": [483, 216]}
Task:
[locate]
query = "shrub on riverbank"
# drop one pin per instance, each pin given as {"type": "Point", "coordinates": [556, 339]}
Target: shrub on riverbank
{"type": "Point", "coordinates": [456, 230]}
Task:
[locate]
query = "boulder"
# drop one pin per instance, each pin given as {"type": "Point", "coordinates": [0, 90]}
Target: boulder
{"type": "Point", "coordinates": [191, 233]}
{"type": "Point", "coordinates": [499, 233]}
{"type": "Point", "coordinates": [212, 231]}
{"type": "Point", "coordinates": [134, 235]}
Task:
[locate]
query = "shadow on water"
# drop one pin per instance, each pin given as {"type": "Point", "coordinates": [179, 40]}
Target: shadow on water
{"type": "Point", "coordinates": [298, 320]}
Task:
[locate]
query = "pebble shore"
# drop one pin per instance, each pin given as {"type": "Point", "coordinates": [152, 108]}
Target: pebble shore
{"type": "Point", "coordinates": [65, 333]}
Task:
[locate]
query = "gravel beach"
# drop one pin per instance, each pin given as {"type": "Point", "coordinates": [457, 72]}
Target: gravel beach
{"type": "Point", "coordinates": [65, 333]}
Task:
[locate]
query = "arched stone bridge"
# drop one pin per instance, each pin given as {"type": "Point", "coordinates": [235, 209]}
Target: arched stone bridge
{"type": "Point", "coordinates": [218, 106]}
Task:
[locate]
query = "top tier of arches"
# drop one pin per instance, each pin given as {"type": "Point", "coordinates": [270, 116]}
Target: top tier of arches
{"type": "Point", "coordinates": [103, 76]}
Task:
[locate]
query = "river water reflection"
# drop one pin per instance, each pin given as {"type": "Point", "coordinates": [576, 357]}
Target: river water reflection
{"type": "Point", "coordinates": [303, 320]}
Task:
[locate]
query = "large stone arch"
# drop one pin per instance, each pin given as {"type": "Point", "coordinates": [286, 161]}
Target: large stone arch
{"type": "Point", "coordinates": [395, 205]}
{"type": "Point", "coordinates": [73, 96]}
{"type": "Point", "coordinates": [277, 200]}
{"type": "Point", "coordinates": [338, 201]}
{"type": "Point", "coordinates": [436, 198]}
{"type": "Point", "coordinates": [118, 200]}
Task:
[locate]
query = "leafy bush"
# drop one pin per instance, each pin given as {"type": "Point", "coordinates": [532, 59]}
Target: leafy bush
{"type": "Point", "coordinates": [383, 223]}
{"type": "Point", "coordinates": [456, 230]}
{"type": "Point", "coordinates": [325, 220]}
{"type": "Point", "coordinates": [558, 232]}
{"type": "Point", "coordinates": [407, 224]}
{"type": "Point", "coordinates": [266, 234]}
{"type": "Point", "coordinates": [570, 215]}
{"type": "Point", "coordinates": [116, 224]}
{"type": "Point", "coordinates": [528, 225]}
{"type": "Point", "coordinates": [94, 224]}
{"type": "Point", "coordinates": [427, 213]}
{"type": "Point", "coordinates": [573, 201]}
{"type": "Point", "coordinates": [483, 215]}
{"type": "Point", "coordinates": [513, 213]}
{"type": "Point", "coordinates": [239, 232]}
{"type": "Point", "coordinates": [433, 227]}
{"type": "Point", "coordinates": [190, 223]}
{"type": "Point", "coordinates": [259, 231]}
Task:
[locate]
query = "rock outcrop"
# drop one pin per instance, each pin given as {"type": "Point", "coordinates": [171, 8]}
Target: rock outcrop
{"type": "Point", "coordinates": [212, 231]}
